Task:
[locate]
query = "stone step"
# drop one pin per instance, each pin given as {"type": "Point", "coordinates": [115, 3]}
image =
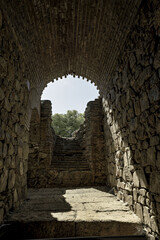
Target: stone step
{"type": "Point", "coordinates": [73, 169]}
{"type": "Point", "coordinates": [68, 147]}
{"type": "Point", "coordinates": [63, 153]}
{"type": "Point", "coordinates": [79, 212]}
{"type": "Point", "coordinates": [13, 233]}
{"type": "Point", "coordinates": [63, 167]}
{"type": "Point", "coordinates": [138, 237]}
{"type": "Point", "coordinates": [70, 164]}
{"type": "Point", "coordinates": [68, 159]}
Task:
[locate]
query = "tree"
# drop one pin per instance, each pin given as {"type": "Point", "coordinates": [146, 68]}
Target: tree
{"type": "Point", "coordinates": [65, 124]}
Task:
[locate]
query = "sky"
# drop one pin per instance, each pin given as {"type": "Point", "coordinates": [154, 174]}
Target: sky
{"type": "Point", "coordinates": [71, 93]}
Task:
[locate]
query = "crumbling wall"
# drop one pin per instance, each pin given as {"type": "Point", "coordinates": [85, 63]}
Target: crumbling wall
{"type": "Point", "coordinates": [131, 111]}
{"type": "Point", "coordinates": [132, 122]}
{"type": "Point", "coordinates": [41, 145]}
{"type": "Point", "coordinates": [14, 94]}
{"type": "Point", "coordinates": [67, 162]}
{"type": "Point", "coordinates": [94, 140]}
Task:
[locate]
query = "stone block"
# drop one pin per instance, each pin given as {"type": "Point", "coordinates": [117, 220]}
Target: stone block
{"type": "Point", "coordinates": [135, 194]}
{"type": "Point", "coordinates": [141, 200]}
{"type": "Point", "coordinates": [139, 211]}
{"type": "Point", "coordinates": [148, 202]}
{"type": "Point", "coordinates": [157, 125]}
{"type": "Point", "coordinates": [3, 67]}
{"type": "Point", "coordinates": [144, 158]}
{"type": "Point", "coordinates": [5, 149]}
{"type": "Point", "coordinates": [144, 75]}
{"type": "Point", "coordinates": [7, 162]}
{"type": "Point", "coordinates": [1, 149]}
{"type": "Point", "coordinates": [158, 207]}
{"type": "Point", "coordinates": [7, 105]}
{"type": "Point", "coordinates": [10, 149]}
{"type": "Point", "coordinates": [2, 135]}
{"type": "Point", "coordinates": [25, 150]}
{"type": "Point", "coordinates": [142, 192]}
{"type": "Point", "coordinates": [1, 163]}
{"type": "Point", "coordinates": [132, 138]}
{"type": "Point", "coordinates": [158, 160]}
{"type": "Point", "coordinates": [8, 137]}
{"type": "Point", "coordinates": [130, 113]}
{"type": "Point", "coordinates": [146, 215]}
{"type": "Point", "coordinates": [141, 133]}
{"type": "Point", "coordinates": [143, 181]}
{"type": "Point", "coordinates": [133, 124]}
{"type": "Point", "coordinates": [129, 200]}
{"type": "Point", "coordinates": [154, 224]}
{"type": "Point", "coordinates": [144, 145]}
{"type": "Point", "coordinates": [25, 166]}
{"type": "Point", "coordinates": [3, 180]}
{"type": "Point", "coordinates": [127, 175]}
{"type": "Point", "coordinates": [156, 62]}
{"type": "Point", "coordinates": [1, 94]}
{"type": "Point", "coordinates": [15, 196]}
{"type": "Point", "coordinates": [132, 60]}
{"type": "Point", "coordinates": [136, 181]}
{"type": "Point", "coordinates": [154, 94]}
{"type": "Point", "coordinates": [11, 179]}
{"type": "Point", "coordinates": [157, 198]}
{"type": "Point", "coordinates": [119, 195]}
{"type": "Point", "coordinates": [137, 156]}
{"type": "Point", "coordinates": [137, 108]}
{"type": "Point", "coordinates": [155, 182]}
{"type": "Point", "coordinates": [154, 140]}
{"type": "Point", "coordinates": [13, 162]}
{"type": "Point", "coordinates": [128, 187]}
{"type": "Point", "coordinates": [21, 168]}
{"type": "Point", "coordinates": [151, 156]}
{"type": "Point", "coordinates": [1, 215]}
{"type": "Point", "coordinates": [20, 152]}
{"type": "Point", "coordinates": [144, 103]}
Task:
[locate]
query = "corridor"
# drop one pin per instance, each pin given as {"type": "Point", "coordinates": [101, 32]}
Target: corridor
{"type": "Point", "coordinates": [63, 212]}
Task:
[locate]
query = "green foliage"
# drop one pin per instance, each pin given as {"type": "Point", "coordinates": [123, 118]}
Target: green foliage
{"type": "Point", "coordinates": [65, 124]}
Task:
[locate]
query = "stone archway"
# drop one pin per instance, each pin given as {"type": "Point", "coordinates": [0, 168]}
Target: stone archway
{"type": "Point", "coordinates": [66, 162]}
{"type": "Point", "coordinates": [115, 43]}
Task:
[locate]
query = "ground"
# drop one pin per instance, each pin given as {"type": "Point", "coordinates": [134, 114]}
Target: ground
{"type": "Point", "coordinates": [62, 212]}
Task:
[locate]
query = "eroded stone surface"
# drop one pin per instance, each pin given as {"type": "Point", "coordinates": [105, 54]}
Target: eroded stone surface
{"type": "Point", "coordinates": [92, 206]}
{"type": "Point", "coordinates": [115, 44]}
{"type": "Point", "coordinates": [66, 162]}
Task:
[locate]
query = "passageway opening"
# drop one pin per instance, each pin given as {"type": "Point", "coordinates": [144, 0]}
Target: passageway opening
{"type": "Point", "coordinates": [67, 160]}
{"type": "Point", "coordinates": [69, 97]}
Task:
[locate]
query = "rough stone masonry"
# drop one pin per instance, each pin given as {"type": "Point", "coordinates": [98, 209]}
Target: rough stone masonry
{"type": "Point", "coordinates": [54, 161]}
{"type": "Point", "coordinates": [116, 45]}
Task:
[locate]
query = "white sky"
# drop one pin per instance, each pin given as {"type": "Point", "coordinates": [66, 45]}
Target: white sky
{"type": "Point", "coordinates": [69, 94]}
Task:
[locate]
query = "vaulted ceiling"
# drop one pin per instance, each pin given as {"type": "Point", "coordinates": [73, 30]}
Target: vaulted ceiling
{"type": "Point", "coordinates": [79, 37]}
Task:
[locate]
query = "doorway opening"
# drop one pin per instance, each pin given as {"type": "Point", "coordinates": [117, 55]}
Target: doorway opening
{"type": "Point", "coordinates": [69, 97]}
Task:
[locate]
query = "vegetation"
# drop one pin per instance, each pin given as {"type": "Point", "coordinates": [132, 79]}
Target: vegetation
{"type": "Point", "coordinates": [65, 124]}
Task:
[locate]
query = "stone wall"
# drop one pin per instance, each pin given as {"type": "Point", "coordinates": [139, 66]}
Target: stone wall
{"type": "Point", "coordinates": [132, 122]}
{"type": "Point", "coordinates": [130, 98]}
{"type": "Point", "coordinates": [94, 140]}
{"type": "Point", "coordinates": [41, 144]}
{"type": "Point", "coordinates": [70, 163]}
{"type": "Point", "coordinates": [14, 94]}
{"type": "Point", "coordinates": [67, 162]}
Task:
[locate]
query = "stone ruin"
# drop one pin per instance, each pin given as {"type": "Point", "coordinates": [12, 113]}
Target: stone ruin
{"type": "Point", "coordinates": [116, 44]}
{"type": "Point", "coordinates": [56, 161]}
